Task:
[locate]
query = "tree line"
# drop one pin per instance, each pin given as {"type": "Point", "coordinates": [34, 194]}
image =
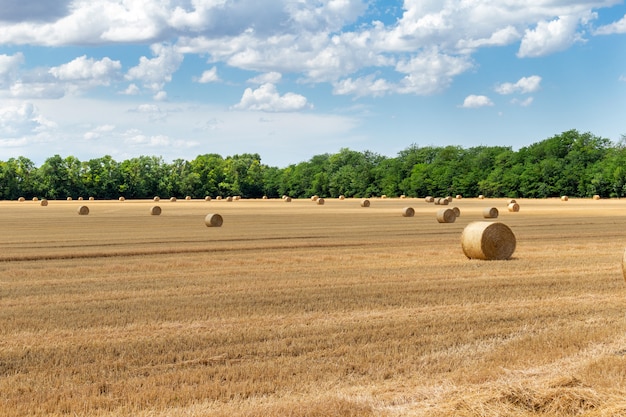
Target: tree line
{"type": "Point", "coordinates": [571, 163]}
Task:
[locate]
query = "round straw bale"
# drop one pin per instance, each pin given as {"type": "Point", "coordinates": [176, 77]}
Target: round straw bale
{"type": "Point", "coordinates": [264, 197]}
{"type": "Point", "coordinates": [237, 198]}
{"type": "Point", "coordinates": [122, 199]}
{"type": "Point", "coordinates": [513, 207]}
{"type": "Point", "coordinates": [342, 197]}
{"type": "Point", "coordinates": [429, 199]}
{"type": "Point", "coordinates": [213, 220]}
{"type": "Point", "coordinates": [173, 199]}
{"type": "Point", "coordinates": [83, 210]}
{"type": "Point", "coordinates": [440, 201]}
{"type": "Point", "coordinates": [80, 199]}
{"type": "Point", "coordinates": [207, 198]}
{"type": "Point", "coordinates": [596, 197]}
{"type": "Point", "coordinates": [449, 198]}
{"type": "Point", "coordinates": [564, 198]}
{"type": "Point", "coordinates": [229, 198]}
{"type": "Point", "coordinates": [91, 198]}
{"type": "Point", "coordinates": [21, 199]}
{"type": "Point", "coordinates": [457, 211]}
{"type": "Point", "coordinates": [481, 197]}
{"type": "Point", "coordinates": [156, 198]}
{"type": "Point", "coordinates": [320, 201]}
{"type": "Point", "coordinates": [488, 241]}
{"type": "Point", "coordinates": [35, 199]}
{"type": "Point", "coordinates": [219, 197]}
{"type": "Point", "coordinates": [69, 198]}
{"type": "Point", "coordinates": [490, 213]}
{"type": "Point", "coordinates": [43, 202]}
{"type": "Point", "coordinates": [446, 216]}
{"type": "Point", "coordinates": [403, 196]}
{"type": "Point", "coordinates": [314, 197]}
{"type": "Point", "coordinates": [365, 203]}
{"type": "Point", "coordinates": [459, 196]}
{"type": "Point", "coordinates": [155, 211]}
{"type": "Point", "coordinates": [188, 198]}
{"type": "Point", "coordinates": [510, 201]}
{"type": "Point", "coordinates": [408, 212]}
{"type": "Point", "coordinates": [383, 196]}
{"type": "Point", "coordinates": [287, 199]}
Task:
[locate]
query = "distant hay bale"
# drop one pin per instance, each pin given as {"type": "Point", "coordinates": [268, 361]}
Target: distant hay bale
{"type": "Point", "coordinates": [408, 212]}
{"type": "Point", "coordinates": [155, 211]}
{"type": "Point", "coordinates": [449, 198]}
{"type": "Point", "coordinates": [35, 199]}
{"type": "Point", "coordinates": [284, 196]}
{"type": "Point", "coordinates": [440, 201]}
{"type": "Point", "coordinates": [21, 199]}
{"type": "Point", "coordinates": [219, 197]}
{"type": "Point", "coordinates": [80, 199]}
{"type": "Point", "coordinates": [156, 198]}
{"type": "Point", "coordinates": [287, 199]}
{"type": "Point", "coordinates": [314, 197]}
{"type": "Point", "coordinates": [188, 198]}
{"type": "Point", "coordinates": [596, 197]}
{"type": "Point", "coordinates": [513, 207]}
{"type": "Point", "coordinates": [172, 199]}
{"type": "Point", "coordinates": [490, 213]}
{"type": "Point", "coordinates": [91, 198]}
{"type": "Point", "coordinates": [207, 198]}
{"type": "Point", "coordinates": [237, 198]}
{"type": "Point", "coordinates": [429, 199]}
{"type": "Point", "coordinates": [122, 199]}
{"type": "Point", "coordinates": [488, 241]}
{"type": "Point", "coordinates": [213, 220]}
{"type": "Point", "coordinates": [43, 202]}
{"type": "Point", "coordinates": [481, 197]}
{"type": "Point", "coordinates": [264, 197]}
{"type": "Point", "coordinates": [459, 196]}
{"type": "Point", "coordinates": [320, 201]}
{"type": "Point", "coordinates": [83, 210]}
{"type": "Point", "coordinates": [342, 197]}
{"type": "Point", "coordinates": [365, 203]}
{"type": "Point", "coordinates": [402, 196]}
{"type": "Point", "coordinates": [69, 198]}
{"type": "Point", "coordinates": [564, 198]}
{"type": "Point", "coordinates": [383, 196]}
{"type": "Point", "coordinates": [446, 216]}
{"type": "Point", "coordinates": [229, 198]}
{"type": "Point", "coordinates": [457, 211]}
{"type": "Point", "coordinates": [510, 201]}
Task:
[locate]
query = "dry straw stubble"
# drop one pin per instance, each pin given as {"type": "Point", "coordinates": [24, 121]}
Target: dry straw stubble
{"type": "Point", "coordinates": [213, 220]}
{"type": "Point", "coordinates": [488, 241]}
{"type": "Point", "coordinates": [446, 216]}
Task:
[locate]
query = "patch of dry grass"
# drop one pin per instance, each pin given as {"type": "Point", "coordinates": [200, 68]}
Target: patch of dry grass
{"type": "Point", "coordinates": [287, 310]}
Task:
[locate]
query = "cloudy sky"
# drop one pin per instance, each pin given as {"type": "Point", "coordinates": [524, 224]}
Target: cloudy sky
{"type": "Point", "coordinates": [290, 79]}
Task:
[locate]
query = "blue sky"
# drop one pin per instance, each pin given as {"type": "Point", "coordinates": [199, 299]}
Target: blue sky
{"type": "Point", "coordinates": [290, 79]}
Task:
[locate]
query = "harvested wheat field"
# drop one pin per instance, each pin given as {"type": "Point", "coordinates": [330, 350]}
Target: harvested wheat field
{"type": "Point", "coordinates": [306, 310]}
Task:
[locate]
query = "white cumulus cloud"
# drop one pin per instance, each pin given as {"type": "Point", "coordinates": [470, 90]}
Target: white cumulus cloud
{"type": "Point", "coordinates": [267, 98]}
{"type": "Point", "coordinates": [524, 85]}
{"type": "Point", "coordinates": [475, 101]}
{"type": "Point", "coordinates": [550, 36]}
{"type": "Point", "coordinates": [156, 72]}
{"type": "Point", "coordinates": [209, 76]}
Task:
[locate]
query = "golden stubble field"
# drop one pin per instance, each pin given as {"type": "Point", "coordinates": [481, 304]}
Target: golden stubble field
{"type": "Point", "coordinates": [298, 309]}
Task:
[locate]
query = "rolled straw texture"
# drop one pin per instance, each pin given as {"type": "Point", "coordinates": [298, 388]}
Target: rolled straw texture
{"type": "Point", "coordinates": [287, 199]}
{"type": "Point", "coordinates": [320, 201]}
{"type": "Point", "coordinates": [155, 211]}
{"type": "Point", "coordinates": [446, 216]}
{"type": "Point", "coordinates": [365, 203]}
{"type": "Point", "coordinates": [83, 210]}
{"type": "Point", "coordinates": [490, 213]}
{"type": "Point", "coordinates": [488, 241]}
{"type": "Point", "coordinates": [43, 202]}
{"type": "Point", "coordinates": [564, 198]}
{"type": "Point", "coordinates": [213, 220]}
{"type": "Point", "coordinates": [429, 199]}
{"type": "Point", "coordinates": [513, 207]}
{"type": "Point", "coordinates": [408, 212]}
{"type": "Point", "coordinates": [457, 211]}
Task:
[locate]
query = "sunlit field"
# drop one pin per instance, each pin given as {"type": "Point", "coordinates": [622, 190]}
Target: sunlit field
{"type": "Point", "coordinates": [299, 309]}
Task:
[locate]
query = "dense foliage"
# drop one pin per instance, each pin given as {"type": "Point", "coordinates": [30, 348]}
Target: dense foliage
{"type": "Point", "coordinates": [572, 163]}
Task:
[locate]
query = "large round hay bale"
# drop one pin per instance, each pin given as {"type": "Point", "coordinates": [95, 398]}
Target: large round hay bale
{"type": "Point", "coordinates": [92, 198]}
{"type": "Point", "coordinates": [213, 220]}
{"type": "Point", "coordinates": [402, 196]}
{"type": "Point", "coordinates": [122, 199]}
{"type": "Point", "coordinates": [441, 201]}
{"type": "Point", "coordinates": [43, 202]}
{"type": "Point", "coordinates": [287, 199]}
{"type": "Point", "coordinates": [481, 197]}
{"type": "Point", "coordinates": [408, 212]}
{"type": "Point", "coordinates": [449, 198]}
{"type": "Point", "coordinates": [490, 213]}
{"type": "Point", "coordinates": [207, 198]}
{"type": "Point", "coordinates": [365, 203]}
{"type": "Point", "coordinates": [188, 198]}
{"type": "Point", "coordinates": [69, 198]}
{"type": "Point", "coordinates": [80, 199]}
{"type": "Point", "coordinates": [314, 197]}
{"type": "Point", "coordinates": [229, 198]}
{"type": "Point", "coordinates": [429, 199]}
{"type": "Point", "coordinates": [596, 197]}
{"type": "Point", "coordinates": [21, 199]}
{"type": "Point", "coordinates": [342, 197]}
{"type": "Point", "coordinates": [264, 197]}
{"type": "Point", "coordinates": [446, 216]}
{"type": "Point", "coordinates": [513, 207]}
{"type": "Point", "coordinates": [459, 196]}
{"type": "Point", "coordinates": [320, 201]}
{"type": "Point", "coordinates": [156, 198]}
{"type": "Point", "coordinates": [457, 211]}
{"type": "Point", "coordinates": [83, 210]}
{"type": "Point", "coordinates": [564, 198]}
{"type": "Point", "coordinates": [219, 197]}
{"type": "Point", "coordinates": [155, 211]}
{"type": "Point", "coordinates": [488, 241]}
{"type": "Point", "coordinates": [383, 196]}
{"type": "Point", "coordinates": [173, 199]}
{"type": "Point", "coordinates": [35, 199]}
